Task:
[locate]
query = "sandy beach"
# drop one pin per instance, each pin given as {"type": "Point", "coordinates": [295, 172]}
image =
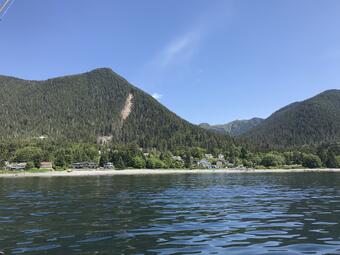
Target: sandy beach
{"type": "Point", "coordinates": [75, 173]}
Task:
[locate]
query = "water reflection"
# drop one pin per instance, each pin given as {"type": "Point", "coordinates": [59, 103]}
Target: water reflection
{"type": "Point", "coordinates": [172, 214]}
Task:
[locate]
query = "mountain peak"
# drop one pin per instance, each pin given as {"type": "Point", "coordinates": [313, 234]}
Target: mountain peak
{"type": "Point", "coordinates": [234, 128]}
{"type": "Point", "coordinates": [86, 106]}
{"type": "Point", "coordinates": [309, 122]}
{"type": "Point", "coordinates": [103, 70]}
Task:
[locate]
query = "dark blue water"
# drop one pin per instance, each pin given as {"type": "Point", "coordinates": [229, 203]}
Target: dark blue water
{"type": "Point", "coordinates": [172, 214]}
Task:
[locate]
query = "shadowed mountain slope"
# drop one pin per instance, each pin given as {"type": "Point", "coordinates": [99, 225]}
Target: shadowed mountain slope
{"type": "Point", "coordinates": [91, 105]}
{"type": "Point", "coordinates": [310, 122]}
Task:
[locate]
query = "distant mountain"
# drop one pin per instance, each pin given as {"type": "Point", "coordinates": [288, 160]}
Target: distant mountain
{"type": "Point", "coordinates": [234, 128]}
{"type": "Point", "coordinates": [310, 122]}
{"type": "Point", "coordinates": [98, 105]}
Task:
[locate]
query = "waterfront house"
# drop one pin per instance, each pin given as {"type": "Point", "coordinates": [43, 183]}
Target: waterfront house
{"type": "Point", "coordinates": [109, 165]}
{"type": "Point", "coordinates": [204, 164]}
{"type": "Point", "coordinates": [46, 165]}
{"type": "Point", "coordinates": [85, 165]}
{"type": "Point", "coordinates": [219, 164]}
{"type": "Point", "coordinates": [16, 166]}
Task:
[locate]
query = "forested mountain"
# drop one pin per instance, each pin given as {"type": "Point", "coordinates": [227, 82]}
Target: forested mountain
{"type": "Point", "coordinates": [234, 128]}
{"type": "Point", "coordinates": [81, 108]}
{"type": "Point", "coordinates": [310, 122]}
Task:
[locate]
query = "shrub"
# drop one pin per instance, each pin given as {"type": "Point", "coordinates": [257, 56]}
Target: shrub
{"type": "Point", "coordinates": [338, 161]}
{"type": "Point", "coordinates": [311, 161]}
{"type": "Point", "coordinates": [271, 159]}
{"type": "Point", "coordinates": [30, 165]}
{"type": "Point", "coordinates": [120, 164]}
{"type": "Point", "coordinates": [138, 162]}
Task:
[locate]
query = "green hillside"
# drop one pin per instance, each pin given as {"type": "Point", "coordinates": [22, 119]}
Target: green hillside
{"type": "Point", "coordinates": [311, 122]}
{"type": "Point", "coordinates": [81, 108]}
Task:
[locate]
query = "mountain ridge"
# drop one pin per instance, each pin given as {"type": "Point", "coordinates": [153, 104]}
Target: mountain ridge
{"type": "Point", "coordinates": [233, 128]}
{"type": "Point", "coordinates": [101, 103]}
{"type": "Point", "coordinates": [312, 121]}
{"type": "Point", "coordinates": [81, 107]}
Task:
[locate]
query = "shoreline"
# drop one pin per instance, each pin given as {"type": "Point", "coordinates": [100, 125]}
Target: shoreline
{"type": "Point", "coordinates": [80, 173]}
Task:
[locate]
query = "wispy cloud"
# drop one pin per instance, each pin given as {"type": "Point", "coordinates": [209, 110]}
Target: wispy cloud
{"type": "Point", "coordinates": [184, 47]}
{"type": "Point", "coordinates": [181, 47]}
{"type": "Point", "coordinates": [157, 96]}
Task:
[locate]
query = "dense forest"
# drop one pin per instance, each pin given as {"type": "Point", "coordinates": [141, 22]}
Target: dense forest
{"type": "Point", "coordinates": [81, 108]}
{"type": "Point", "coordinates": [315, 121]}
{"type": "Point", "coordinates": [99, 117]}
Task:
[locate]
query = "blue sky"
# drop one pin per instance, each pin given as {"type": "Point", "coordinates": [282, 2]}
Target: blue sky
{"type": "Point", "coordinates": [208, 61]}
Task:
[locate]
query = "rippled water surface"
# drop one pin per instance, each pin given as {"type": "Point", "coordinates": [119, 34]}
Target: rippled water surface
{"type": "Point", "coordinates": [172, 214]}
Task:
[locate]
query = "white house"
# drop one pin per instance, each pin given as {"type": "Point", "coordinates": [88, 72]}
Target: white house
{"type": "Point", "coordinates": [204, 164]}
{"type": "Point", "coordinates": [16, 166]}
{"type": "Point", "coordinates": [176, 158]}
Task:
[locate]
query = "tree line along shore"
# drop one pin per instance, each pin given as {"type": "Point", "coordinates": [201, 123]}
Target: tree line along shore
{"type": "Point", "coordinates": [42, 155]}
